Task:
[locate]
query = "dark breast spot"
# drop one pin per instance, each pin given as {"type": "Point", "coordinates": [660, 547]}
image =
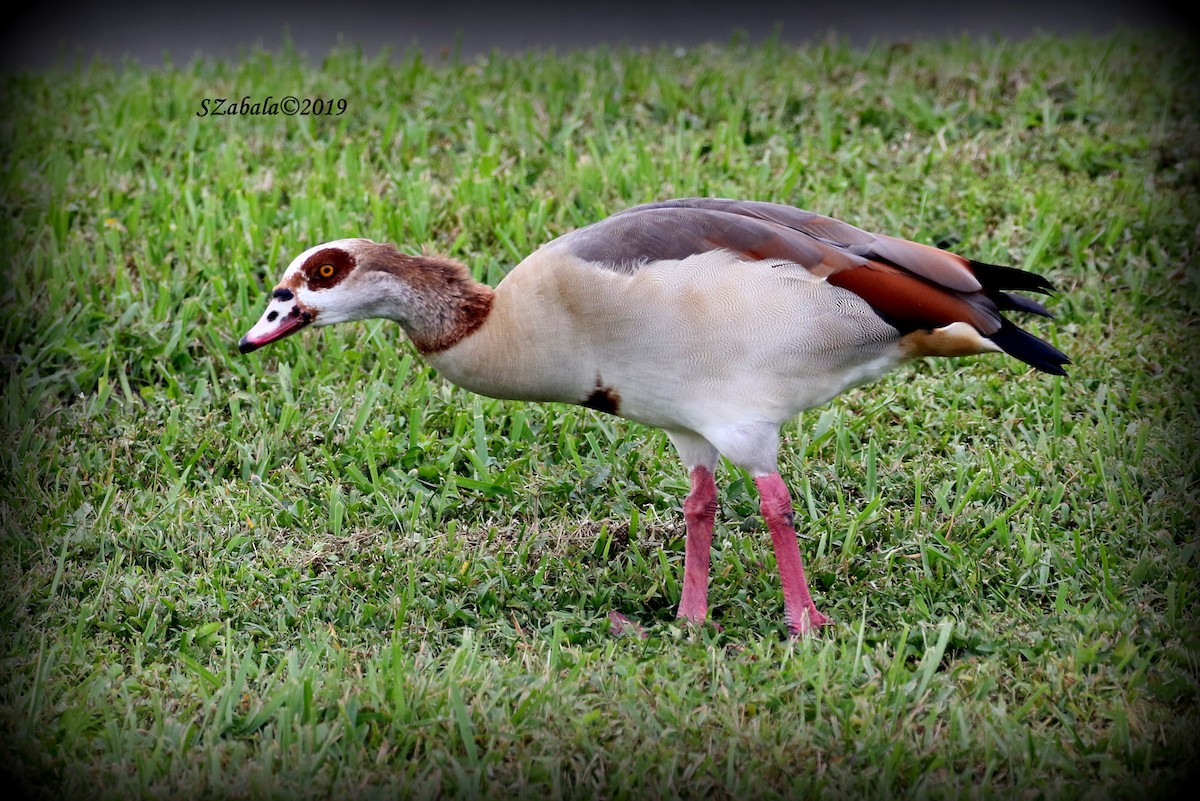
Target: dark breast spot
{"type": "Point", "coordinates": [603, 399]}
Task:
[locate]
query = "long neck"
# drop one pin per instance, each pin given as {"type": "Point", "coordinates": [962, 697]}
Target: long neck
{"type": "Point", "coordinates": [525, 347]}
{"type": "Point", "coordinates": [505, 342]}
{"type": "Point", "coordinates": [440, 304]}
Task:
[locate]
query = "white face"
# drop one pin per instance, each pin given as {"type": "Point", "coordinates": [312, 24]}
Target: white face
{"type": "Point", "coordinates": [312, 291]}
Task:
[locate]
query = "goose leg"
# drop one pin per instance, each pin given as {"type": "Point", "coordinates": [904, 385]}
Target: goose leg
{"type": "Point", "coordinates": [699, 511]}
{"type": "Point", "coordinates": [799, 610]}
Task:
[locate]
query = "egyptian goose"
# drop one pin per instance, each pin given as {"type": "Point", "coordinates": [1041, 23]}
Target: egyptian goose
{"type": "Point", "coordinates": [715, 320]}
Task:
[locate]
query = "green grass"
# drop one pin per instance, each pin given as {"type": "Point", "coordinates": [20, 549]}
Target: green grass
{"type": "Point", "coordinates": [320, 571]}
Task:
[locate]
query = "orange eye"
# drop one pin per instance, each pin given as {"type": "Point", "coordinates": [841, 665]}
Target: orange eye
{"type": "Point", "coordinates": [326, 270]}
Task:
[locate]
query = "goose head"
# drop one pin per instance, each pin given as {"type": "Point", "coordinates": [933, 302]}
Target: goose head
{"type": "Point", "coordinates": [435, 300]}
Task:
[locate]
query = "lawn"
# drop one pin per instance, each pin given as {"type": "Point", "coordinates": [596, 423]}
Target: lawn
{"type": "Point", "coordinates": [320, 571]}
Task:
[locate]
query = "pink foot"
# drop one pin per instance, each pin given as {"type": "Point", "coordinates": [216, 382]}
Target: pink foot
{"type": "Point", "coordinates": [699, 621]}
{"type": "Point", "coordinates": [620, 626]}
{"type": "Point", "coordinates": [808, 624]}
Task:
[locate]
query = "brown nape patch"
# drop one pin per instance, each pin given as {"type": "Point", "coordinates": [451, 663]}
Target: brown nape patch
{"type": "Point", "coordinates": [452, 306]}
{"type": "Point", "coordinates": [958, 339]}
{"type": "Point", "coordinates": [327, 267]}
{"type": "Point", "coordinates": [603, 399]}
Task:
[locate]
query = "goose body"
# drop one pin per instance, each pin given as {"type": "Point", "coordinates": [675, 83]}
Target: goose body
{"type": "Point", "coordinates": [715, 320]}
{"type": "Point", "coordinates": [705, 331]}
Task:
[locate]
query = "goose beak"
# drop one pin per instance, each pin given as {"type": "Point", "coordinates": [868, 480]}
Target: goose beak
{"type": "Point", "coordinates": [284, 316]}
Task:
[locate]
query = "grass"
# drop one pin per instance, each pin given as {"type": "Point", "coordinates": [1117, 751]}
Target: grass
{"type": "Point", "coordinates": [320, 571]}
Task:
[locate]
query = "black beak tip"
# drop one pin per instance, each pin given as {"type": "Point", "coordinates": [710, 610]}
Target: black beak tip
{"type": "Point", "coordinates": [245, 346]}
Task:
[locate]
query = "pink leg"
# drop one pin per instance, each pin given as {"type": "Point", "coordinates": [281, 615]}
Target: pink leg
{"type": "Point", "coordinates": [799, 610]}
{"type": "Point", "coordinates": [699, 510]}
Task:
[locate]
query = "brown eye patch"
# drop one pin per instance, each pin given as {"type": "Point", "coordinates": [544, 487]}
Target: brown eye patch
{"type": "Point", "coordinates": [327, 267]}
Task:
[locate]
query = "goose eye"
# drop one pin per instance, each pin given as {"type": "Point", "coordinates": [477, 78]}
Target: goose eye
{"type": "Point", "coordinates": [325, 270]}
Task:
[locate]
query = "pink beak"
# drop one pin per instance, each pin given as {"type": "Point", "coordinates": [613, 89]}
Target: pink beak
{"type": "Point", "coordinates": [284, 316]}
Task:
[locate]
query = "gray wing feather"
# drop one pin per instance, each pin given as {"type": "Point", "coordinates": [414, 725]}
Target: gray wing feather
{"type": "Point", "coordinates": [676, 229]}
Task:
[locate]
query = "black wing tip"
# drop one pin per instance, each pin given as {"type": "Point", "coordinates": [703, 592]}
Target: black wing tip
{"type": "Point", "coordinates": [1019, 303]}
{"type": "Point", "coordinates": [1035, 352]}
{"type": "Point", "coordinates": [1012, 339]}
{"type": "Point", "coordinates": [996, 277]}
